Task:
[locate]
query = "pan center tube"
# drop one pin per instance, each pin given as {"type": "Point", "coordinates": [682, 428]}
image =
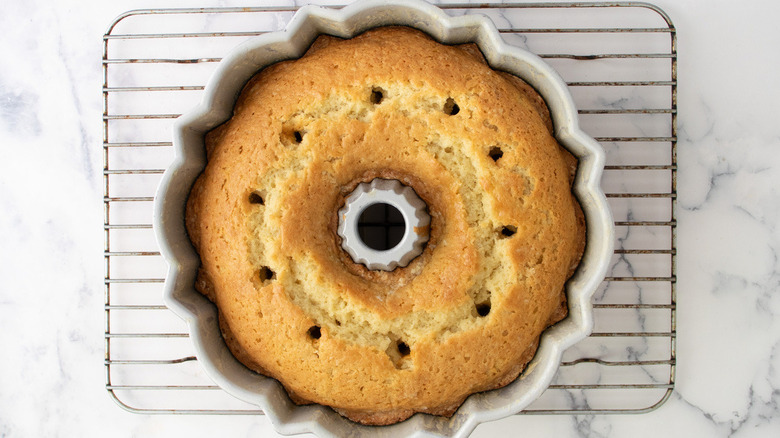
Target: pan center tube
{"type": "Point", "coordinates": [383, 224]}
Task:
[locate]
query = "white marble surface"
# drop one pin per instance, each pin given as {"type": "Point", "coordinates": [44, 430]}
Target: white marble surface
{"type": "Point", "coordinates": [51, 298]}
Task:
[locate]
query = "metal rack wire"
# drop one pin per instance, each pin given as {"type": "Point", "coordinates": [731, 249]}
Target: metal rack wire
{"type": "Point", "coordinates": [620, 62]}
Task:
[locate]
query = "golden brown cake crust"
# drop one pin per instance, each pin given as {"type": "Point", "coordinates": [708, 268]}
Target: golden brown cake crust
{"type": "Point", "coordinates": [470, 309]}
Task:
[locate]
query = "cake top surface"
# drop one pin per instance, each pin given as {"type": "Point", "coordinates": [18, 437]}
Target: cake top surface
{"type": "Point", "coordinates": [475, 145]}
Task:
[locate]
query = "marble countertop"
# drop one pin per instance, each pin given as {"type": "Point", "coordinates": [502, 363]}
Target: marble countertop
{"type": "Point", "coordinates": [52, 373]}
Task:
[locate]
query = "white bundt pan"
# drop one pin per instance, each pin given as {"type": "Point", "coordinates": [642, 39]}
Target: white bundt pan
{"type": "Point", "coordinates": [217, 106]}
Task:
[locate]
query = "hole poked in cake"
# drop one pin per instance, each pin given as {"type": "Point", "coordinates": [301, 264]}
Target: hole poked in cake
{"type": "Point", "coordinates": [256, 198]}
{"type": "Point", "coordinates": [507, 231]}
{"type": "Point", "coordinates": [266, 274]}
{"type": "Point", "coordinates": [399, 351]}
{"type": "Point", "coordinates": [450, 107]}
{"type": "Point", "coordinates": [482, 304]}
{"type": "Point", "coordinates": [483, 308]}
{"type": "Point", "coordinates": [495, 153]}
{"type": "Point", "coordinates": [291, 136]}
{"type": "Point", "coordinates": [377, 95]}
{"type": "Point", "coordinates": [314, 332]}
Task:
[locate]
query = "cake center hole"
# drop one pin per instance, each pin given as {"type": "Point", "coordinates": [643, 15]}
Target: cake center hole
{"type": "Point", "coordinates": [381, 226]}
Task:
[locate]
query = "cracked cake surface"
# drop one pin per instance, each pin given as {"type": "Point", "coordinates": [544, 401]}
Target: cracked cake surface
{"type": "Point", "coordinates": [505, 234]}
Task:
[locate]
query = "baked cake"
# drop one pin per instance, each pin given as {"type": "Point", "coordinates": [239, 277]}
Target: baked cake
{"type": "Point", "coordinates": [475, 144]}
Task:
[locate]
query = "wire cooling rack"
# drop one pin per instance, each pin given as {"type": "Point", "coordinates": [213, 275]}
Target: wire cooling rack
{"type": "Point", "coordinates": [619, 60]}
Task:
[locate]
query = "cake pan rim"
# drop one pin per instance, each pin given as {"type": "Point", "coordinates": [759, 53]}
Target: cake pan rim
{"type": "Point", "coordinates": [200, 314]}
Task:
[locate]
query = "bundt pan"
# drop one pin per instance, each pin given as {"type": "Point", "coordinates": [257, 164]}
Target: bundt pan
{"type": "Point", "coordinates": [217, 106]}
